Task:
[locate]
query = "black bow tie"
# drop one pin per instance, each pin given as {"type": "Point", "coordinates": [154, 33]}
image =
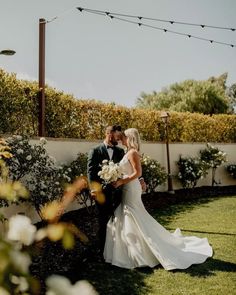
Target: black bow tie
{"type": "Point", "coordinates": [110, 147]}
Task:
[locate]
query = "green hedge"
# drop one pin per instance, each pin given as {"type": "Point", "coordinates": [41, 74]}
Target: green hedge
{"type": "Point", "coordinates": [86, 119]}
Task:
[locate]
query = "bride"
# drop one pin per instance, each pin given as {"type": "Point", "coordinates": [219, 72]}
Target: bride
{"type": "Point", "coordinates": [134, 238]}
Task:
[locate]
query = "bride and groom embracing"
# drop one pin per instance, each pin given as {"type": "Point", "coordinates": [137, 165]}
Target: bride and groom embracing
{"type": "Point", "coordinates": [129, 236]}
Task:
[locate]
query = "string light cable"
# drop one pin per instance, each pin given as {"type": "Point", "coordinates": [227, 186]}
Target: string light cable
{"type": "Point", "coordinates": [154, 19]}
{"type": "Point", "coordinates": [138, 20]}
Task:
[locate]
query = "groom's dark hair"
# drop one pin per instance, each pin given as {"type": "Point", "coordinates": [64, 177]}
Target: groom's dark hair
{"type": "Point", "coordinates": [113, 128]}
{"type": "Point", "coordinates": [116, 128]}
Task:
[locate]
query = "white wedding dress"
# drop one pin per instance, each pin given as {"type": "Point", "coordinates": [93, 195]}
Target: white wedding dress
{"type": "Point", "coordinates": [135, 239]}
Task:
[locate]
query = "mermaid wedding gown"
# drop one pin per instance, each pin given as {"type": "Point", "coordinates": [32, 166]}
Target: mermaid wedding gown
{"type": "Point", "coordinates": [135, 239]}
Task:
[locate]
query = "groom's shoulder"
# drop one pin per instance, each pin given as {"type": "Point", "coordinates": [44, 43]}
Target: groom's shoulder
{"type": "Point", "coordinates": [120, 149]}
{"type": "Point", "coordinates": [97, 147]}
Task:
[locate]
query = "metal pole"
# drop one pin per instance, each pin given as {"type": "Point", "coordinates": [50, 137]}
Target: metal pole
{"type": "Point", "coordinates": [169, 177]}
{"type": "Point", "coordinates": [41, 96]}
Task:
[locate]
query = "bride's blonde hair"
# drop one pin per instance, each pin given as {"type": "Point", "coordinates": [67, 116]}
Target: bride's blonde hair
{"type": "Point", "coordinates": [133, 138]}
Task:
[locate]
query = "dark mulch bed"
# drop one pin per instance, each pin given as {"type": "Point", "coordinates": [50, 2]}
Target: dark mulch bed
{"type": "Point", "coordinates": [52, 258]}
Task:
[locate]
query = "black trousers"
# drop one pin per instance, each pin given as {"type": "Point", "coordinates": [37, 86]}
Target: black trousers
{"type": "Point", "coordinates": [105, 212]}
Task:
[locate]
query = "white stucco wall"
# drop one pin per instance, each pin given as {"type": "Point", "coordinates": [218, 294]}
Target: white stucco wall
{"type": "Point", "coordinates": [65, 150]}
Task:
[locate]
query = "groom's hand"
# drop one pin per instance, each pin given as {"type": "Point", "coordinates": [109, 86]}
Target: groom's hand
{"type": "Point", "coordinates": [143, 184]}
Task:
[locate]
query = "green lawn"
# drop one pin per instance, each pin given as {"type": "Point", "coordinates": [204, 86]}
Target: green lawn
{"type": "Point", "coordinates": [214, 218]}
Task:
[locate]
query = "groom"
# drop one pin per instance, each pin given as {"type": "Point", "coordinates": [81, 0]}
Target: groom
{"type": "Point", "coordinates": [108, 150]}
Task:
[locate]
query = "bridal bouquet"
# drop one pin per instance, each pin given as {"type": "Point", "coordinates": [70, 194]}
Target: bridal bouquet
{"type": "Point", "coordinates": [110, 171]}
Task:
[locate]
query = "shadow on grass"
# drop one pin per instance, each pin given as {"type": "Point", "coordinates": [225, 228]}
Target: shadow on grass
{"type": "Point", "coordinates": [204, 232]}
{"type": "Point", "coordinates": [108, 279]}
{"type": "Point", "coordinates": [165, 215]}
{"type": "Point", "coordinates": [209, 268]}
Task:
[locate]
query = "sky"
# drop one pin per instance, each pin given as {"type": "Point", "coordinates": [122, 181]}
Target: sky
{"type": "Point", "coordinates": [94, 57]}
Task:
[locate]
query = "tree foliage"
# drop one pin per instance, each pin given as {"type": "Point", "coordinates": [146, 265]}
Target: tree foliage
{"type": "Point", "coordinates": [69, 117]}
{"type": "Point", "coordinates": [231, 91]}
{"type": "Point", "coordinates": [206, 97]}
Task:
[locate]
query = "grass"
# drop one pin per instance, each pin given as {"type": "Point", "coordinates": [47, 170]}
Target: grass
{"type": "Point", "coordinates": [213, 218]}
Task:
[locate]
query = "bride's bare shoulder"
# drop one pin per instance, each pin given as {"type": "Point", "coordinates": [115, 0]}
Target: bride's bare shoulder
{"type": "Point", "coordinates": [133, 153]}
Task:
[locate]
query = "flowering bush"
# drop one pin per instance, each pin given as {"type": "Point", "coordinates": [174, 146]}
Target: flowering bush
{"type": "Point", "coordinates": [190, 171]}
{"type": "Point", "coordinates": [21, 238]}
{"type": "Point", "coordinates": [153, 173]}
{"type": "Point", "coordinates": [231, 169]}
{"type": "Point", "coordinates": [77, 168]}
{"type": "Point", "coordinates": [15, 259]}
{"type": "Point", "coordinates": [59, 285]}
{"type": "Point", "coordinates": [37, 170]}
{"type": "Point", "coordinates": [10, 191]}
{"type": "Point", "coordinates": [212, 157]}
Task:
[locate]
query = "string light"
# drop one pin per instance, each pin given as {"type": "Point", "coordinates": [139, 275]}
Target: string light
{"type": "Point", "coordinates": [112, 16]}
{"type": "Point", "coordinates": [128, 18]}
{"type": "Point", "coordinates": [157, 19]}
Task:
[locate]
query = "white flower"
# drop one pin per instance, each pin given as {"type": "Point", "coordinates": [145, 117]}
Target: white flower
{"type": "Point", "coordinates": [83, 287]}
{"type": "Point", "coordinates": [19, 151]}
{"type": "Point", "coordinates": [59, 285]}
{"type": "Point", "coordinates": [19, 137]}
{"type": "Point", "coordinates": [68, 178]}
{"type": "Point", "coordinates": [29, 157]}
{"type": "Point", "coordinates": [110, 171]}
{"type": "Point", "coordinates": [20, 260]}
{"type": "Point", "coordinates": [53, 159]}
{"type": "Point", "coordinates": [42, 185]}
{"type": "Point", "coordinates": [21, 282]}
{"type": "Point", "coordinates": [21, 229]}
{"type": "Point", "coordinates": [43, 140]}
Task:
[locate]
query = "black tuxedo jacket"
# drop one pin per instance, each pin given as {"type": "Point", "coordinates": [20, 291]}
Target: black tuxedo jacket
{"type": "Point", "coordinates": [95, 158]}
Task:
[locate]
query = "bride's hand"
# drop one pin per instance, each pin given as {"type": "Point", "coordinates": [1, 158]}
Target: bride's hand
{"type": "Point", "coordinates": [117, 183]}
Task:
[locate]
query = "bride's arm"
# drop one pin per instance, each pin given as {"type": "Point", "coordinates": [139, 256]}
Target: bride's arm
{"type": "Point", "coordinates": [135, 162]}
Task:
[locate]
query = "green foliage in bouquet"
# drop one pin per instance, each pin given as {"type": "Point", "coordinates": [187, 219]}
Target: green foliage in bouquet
{"type": "Point", "coordinates": [153, 173]}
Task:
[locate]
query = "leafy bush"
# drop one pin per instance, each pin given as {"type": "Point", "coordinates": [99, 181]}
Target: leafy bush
{"type": "Point", "coordinates": [70, 117]}
{"type": "Point", "coordinates": [190, 171]}
{"type": "Point", "coordinates": [37, 170]}
{"type": "Point", "coordinates": [44, 178]}
{"type": "Point", "coordinates": [212, 157]}
{"type": "Point", "coordinates": [153, 173]}
{"type": "Point", "coordinates": [10, 190]}
{"type": "Point", "coordinates": [19, 242]}
{"type": "Point", "coordinates": [231, 169]}
{"type": "Point", "coordinates": [77, 168]}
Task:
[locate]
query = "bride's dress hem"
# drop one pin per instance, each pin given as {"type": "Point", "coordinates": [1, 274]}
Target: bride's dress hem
{"type": "Point", "coordinates": [152, 266]}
